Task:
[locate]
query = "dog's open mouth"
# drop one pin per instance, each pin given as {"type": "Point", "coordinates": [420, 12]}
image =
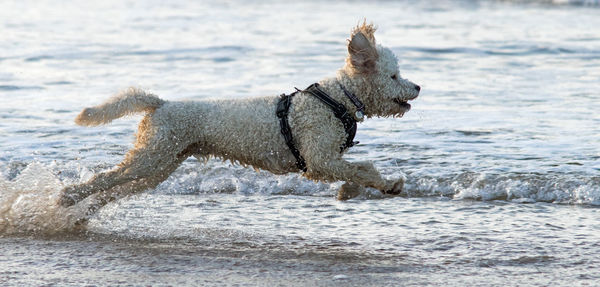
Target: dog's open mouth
{"type": "Point", "coordinates": [402, 104]}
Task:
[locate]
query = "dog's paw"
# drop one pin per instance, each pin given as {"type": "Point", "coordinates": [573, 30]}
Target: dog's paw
{"type": "Point", "coordinates": [349, 190]}
{"type": "Point", "coordinates": [394, 187]}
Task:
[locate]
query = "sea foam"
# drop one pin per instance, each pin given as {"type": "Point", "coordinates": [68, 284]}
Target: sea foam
{"type": "Point", "coordinates": [29, 204]}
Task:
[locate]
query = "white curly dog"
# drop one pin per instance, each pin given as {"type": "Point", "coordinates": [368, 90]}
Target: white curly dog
{"type": "Point", "coordinates": [249, 132]}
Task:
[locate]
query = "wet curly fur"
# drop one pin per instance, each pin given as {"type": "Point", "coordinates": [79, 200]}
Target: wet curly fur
{"type": "Point", "coordinates": [247, 131]}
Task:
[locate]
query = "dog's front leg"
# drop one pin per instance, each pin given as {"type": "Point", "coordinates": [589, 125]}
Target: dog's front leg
{"type": "Point", "coordinates": [393, 186]}
{"type": "Point", "coordinates": [319, 144]}
{"type": "Point", "coordinates": [362, 173]}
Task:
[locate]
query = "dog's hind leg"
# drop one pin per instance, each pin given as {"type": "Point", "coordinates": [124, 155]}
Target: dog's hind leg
{"type": "Point", "coordinates": [146, 166]}
{"type": "Point", "coordinates": [100, 199]}
{"type": "Point", "coordinates": [132, 187]}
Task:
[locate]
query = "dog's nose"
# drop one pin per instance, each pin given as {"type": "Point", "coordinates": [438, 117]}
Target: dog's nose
{"type": "Point", "coordinates": [418, 88]}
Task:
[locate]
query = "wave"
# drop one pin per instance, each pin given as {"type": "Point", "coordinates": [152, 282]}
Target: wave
{"type": "Point", "coordinates": [516, 187]}
{"type": "Point", "coordinates": [586, 3]}
{"type": "Point", "coordinates": [8, 88]}
{"type": "Point", "coordinates": [209, 53]}
{"type": "Point", "coordinates": [593, 3]}
{"type": "Point", "coordinates": [29, 200]}
{"type": "Point", "coordinates": [563, 188]}
{"type": "Point", "coordinates": [524, 49]}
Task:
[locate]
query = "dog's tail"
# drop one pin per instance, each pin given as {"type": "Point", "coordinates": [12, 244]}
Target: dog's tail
{"type": "Point", "coordinates": [127, 102]}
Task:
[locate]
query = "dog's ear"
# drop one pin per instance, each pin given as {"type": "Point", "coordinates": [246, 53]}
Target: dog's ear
{"type": "Point", "coordinates": [362, 51]}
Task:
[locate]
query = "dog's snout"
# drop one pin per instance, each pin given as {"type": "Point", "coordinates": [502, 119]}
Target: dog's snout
{"type": "Point", "coordinates": [418, 88]}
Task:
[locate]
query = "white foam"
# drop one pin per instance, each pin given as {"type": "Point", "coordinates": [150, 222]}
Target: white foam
{"type": "Point", "coordinates": [587, 194]}
{"type": "Point", "coordinates": [519, 188]}
{"type": "Point", "coordinates": [217, 177]}
{"type": "Point", "coordinates": [29, 204]}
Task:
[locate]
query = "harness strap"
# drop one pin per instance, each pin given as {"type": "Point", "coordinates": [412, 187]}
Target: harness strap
{"type": "Point", "coordinates": [360, 107]}
{"type": "Point", "coordinates": [339, 110]}
{"type": "Point", "coordinates": [283, 107]}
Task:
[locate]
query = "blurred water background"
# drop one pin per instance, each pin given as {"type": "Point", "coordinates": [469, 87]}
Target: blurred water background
{"type": "Point", "coordinates": [500, 150]}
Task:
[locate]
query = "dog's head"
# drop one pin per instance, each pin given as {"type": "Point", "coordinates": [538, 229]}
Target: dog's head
{"type": "Point", "coordinates": [372, 71]}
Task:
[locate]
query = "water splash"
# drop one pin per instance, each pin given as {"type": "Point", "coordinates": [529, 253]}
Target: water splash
{"type": "Point", "coordinates": [29, 204]}
{"type": "Point", "coordinates": [563, 188]}
{"type": "Point", "coordinates": [28, 201]}
{"type": "Point", "coordinates": [520, 188]}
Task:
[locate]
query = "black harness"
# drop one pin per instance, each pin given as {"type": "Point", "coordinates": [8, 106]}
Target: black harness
{"type": "Point", "coordinates": [339, 110]}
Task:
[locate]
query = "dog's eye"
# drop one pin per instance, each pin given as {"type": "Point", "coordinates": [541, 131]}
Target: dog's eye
{"type": "Point", "coordinates": [394, 77]}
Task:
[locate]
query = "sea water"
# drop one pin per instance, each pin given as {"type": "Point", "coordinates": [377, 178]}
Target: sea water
{"type": "Point", "coordinates": [501, 150]}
